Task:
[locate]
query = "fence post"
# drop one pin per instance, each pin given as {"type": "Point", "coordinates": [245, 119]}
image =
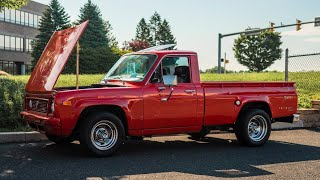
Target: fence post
{"type": "Point", "coordinates": [286, 70]}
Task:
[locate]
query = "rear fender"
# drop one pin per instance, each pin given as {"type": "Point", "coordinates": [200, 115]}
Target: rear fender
{"type": "Point", "coordinates": [257, 102]}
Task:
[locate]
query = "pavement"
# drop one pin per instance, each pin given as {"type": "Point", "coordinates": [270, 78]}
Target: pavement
{"type": "Point", "coordinates": [292, 154]}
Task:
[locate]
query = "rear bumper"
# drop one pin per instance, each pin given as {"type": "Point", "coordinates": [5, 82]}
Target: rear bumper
{"type": "Point", "coordinates": [43, 124]}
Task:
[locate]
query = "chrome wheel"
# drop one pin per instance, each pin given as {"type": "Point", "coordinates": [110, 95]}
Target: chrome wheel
{"type": "Point", "coordinates": [104, 135]}
{"type": "Point", "coordinates": [257, 128]}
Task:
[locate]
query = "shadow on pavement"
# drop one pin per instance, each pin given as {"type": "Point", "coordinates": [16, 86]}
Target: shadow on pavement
{"type": "Point", "coordinates": [211, 157]}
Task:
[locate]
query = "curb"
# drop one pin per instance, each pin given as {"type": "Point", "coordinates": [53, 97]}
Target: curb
{"type": "Point", "coordinates": [284, 126]}
{"type": "Point", "coordinates": [21, 137]}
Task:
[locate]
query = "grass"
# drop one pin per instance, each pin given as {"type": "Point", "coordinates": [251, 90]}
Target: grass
{"type": "Point", "coordinates": [308, 83]}
{"type": "Point", "coordinates": [19, 129]}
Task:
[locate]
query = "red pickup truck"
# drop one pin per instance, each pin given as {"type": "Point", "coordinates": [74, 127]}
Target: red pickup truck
{"type": "Point", "coordinates": [154, 92]}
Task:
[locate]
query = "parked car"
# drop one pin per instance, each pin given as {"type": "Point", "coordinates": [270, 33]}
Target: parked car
{"type": "Point", "coordinates": [153, 92]}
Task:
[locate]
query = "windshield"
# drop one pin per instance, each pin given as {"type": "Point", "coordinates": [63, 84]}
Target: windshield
{"type": "Point", "coordinates": [132, 67]}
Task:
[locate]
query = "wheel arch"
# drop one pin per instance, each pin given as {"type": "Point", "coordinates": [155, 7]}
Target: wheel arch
{"type": "Point", "coordinates": [256, 105]}
{"type": "Point", "coordinates": [113, 109]}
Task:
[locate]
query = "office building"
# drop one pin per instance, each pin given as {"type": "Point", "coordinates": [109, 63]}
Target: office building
{"type": "Point", "coordinates": [17, 30]}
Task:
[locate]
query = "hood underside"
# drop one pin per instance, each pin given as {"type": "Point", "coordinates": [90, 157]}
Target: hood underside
{"type": "Point", "coordinates": [53, 59]}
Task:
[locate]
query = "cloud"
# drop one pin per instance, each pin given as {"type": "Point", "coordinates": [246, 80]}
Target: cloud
{"type": "Point", "coordinates": [312, 40]}
{"type": "Point", "coordinates": [306, 30]}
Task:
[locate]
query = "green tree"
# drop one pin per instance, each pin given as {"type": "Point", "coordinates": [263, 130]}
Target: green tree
{"type": "Point", "coordinates": [165, 34]}
{"type": "Point", "coordinates": [143, 32]}
{"type": "Point", "coordinates": [155, 24]}
{"type": "Point", "coordinates": [96, 44]}
{"type": "Point", "coordinates": [54, 18]}
{"type": "Point", "coordinates": [112, 41]}
{"type": "Point", "coordinates": [258, 52]}
{"type": "Point", "coordinates": [12, 4]}
{"type": "Point", "coordinates": [95, 34]}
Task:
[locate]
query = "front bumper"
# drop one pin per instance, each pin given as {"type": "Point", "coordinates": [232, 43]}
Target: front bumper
{"type": "Point", "coordinates": [44, 124]}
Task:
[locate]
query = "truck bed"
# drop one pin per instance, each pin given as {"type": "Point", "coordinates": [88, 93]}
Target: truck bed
{"type": "Point", "coordinates": [220, 98]}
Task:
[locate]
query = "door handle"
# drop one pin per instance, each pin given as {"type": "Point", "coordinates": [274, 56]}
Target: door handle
{"type": "Point", "coordinates": [190, 90]}
{"type": "Point", "coordinates": [164, 99]}
{"type": "Point", "coordinates": [161, 88]}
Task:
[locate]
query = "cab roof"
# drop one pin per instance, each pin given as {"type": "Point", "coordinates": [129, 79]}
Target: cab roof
{"type": "Point", "coordinates": [165, 52]}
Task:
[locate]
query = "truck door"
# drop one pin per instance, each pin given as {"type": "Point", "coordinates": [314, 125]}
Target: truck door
{"type": "Point", "coordinates": [181, 109]}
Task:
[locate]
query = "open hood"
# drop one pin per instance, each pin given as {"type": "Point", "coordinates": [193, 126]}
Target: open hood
{"type": "Point", "coordinates": [54, 58]}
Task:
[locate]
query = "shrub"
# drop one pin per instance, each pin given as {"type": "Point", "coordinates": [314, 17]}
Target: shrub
{"type": "Point", "coordinates": [11, 103]}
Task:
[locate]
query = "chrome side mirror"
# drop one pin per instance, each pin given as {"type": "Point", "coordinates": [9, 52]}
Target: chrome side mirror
{"type": "Point", "coordinates": [170, 80]}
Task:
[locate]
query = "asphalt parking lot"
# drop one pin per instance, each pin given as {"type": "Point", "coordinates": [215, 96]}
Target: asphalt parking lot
{"type": "Point", "coordinates": [292, 154]}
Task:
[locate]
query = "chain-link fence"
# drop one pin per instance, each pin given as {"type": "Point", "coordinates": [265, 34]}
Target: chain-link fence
{"type": "Point", "coordinates": [304, 69]}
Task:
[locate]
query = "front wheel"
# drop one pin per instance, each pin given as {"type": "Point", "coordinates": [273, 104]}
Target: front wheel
{"type": "Point", "coordinates": [102, 134]}
{"type": "Point", "coordinates": [253, 127]}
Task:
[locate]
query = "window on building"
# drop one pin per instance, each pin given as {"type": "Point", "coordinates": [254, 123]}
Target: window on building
{"type": "Point", "coordinates": [18, 44]}
{"type": "Point", "coordinates": [2, 16]}
{"type": "Point", "coordinates": [26, 18]}
{"type": "Point", "coordinates": [22, 18]}
{"type": "Point", "coordinates": [6, 42]}
{"type": "Point", "coordinates": [30, 20]}
{"type": "Point", "coordinates": [28, 45]}
{"type": "Point", "coordinates": [13, 16]}
{"type": "Point", "coordinates": [12, 43]}
{"type": "Point", "coordinates": [35, 21]}
{"type": "Point", "coordinates": [1, 41]}
{"type": "Point", "coordinates": [7, 15]}
{"type": "Point", "coordinates": [18, 15]}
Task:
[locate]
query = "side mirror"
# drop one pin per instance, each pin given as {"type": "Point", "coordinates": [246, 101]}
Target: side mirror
{"type": "Point", "coordinates": [170, 80]}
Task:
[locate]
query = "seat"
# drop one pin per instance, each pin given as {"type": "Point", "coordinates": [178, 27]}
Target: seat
{"type": "Point", "coordinates": [183, 74]}
{"type": "Point", "coordinates": [164, 71]}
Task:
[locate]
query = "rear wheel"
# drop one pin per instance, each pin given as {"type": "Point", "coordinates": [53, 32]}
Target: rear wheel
{"type": "Point", "coordinates": [253, 127]}
{"type": "Point", "coordinates": [102, 134]}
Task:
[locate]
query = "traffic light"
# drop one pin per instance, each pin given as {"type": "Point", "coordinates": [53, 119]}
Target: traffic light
{"type": "Point", "coordinates": [298, 25]}
{"type": "Point", "coordinates": [271, 27]}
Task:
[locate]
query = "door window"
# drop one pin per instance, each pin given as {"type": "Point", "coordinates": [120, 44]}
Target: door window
{"type": "Point", "coordinates": [174, 65]}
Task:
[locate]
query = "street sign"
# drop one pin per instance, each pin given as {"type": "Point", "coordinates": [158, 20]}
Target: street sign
{"type": "Point", "coordinates": [252, 31]}
{"type": "Point", "coordinates": [317, 22]}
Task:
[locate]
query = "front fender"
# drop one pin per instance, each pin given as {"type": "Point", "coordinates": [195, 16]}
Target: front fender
{"type": "Point", "coordinates": [133, 109]}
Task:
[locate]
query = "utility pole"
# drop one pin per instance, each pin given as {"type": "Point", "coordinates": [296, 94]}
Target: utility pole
{"type": "Point", "coordinates": [225, 62]}
{"type": "Point", "coordinates": [219, 53]}
{"type": "Point", "coordinates": [77, 65]}
{"type": "Point", "coordinates": [298, 25]}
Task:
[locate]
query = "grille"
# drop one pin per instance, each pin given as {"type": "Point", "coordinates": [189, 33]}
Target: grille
{"type": "Point", "coordinates": [38, 105]}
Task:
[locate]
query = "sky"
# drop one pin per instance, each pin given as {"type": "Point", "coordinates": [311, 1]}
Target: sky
{"type": "Point", "coordinates": [196, 23]}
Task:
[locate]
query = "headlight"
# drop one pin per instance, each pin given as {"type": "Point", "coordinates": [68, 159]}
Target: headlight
{"type": "Point", "coordinates": [52, 107]}
{"type": "Point", "coordinates": [30, 104]}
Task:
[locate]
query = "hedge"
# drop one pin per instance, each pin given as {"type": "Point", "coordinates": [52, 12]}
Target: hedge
{"type": "Point", "coordinates": [11, 103]}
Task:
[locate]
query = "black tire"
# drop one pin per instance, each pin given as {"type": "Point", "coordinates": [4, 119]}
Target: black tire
{"type": "Point", "coordinates": [259, 131]}
{"type": "Point", "coordinates": [94, 134]}
{"type": "Point", "coordinates": [198, 135]}
{"type": "Point", "coordinates": [60, 140]}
